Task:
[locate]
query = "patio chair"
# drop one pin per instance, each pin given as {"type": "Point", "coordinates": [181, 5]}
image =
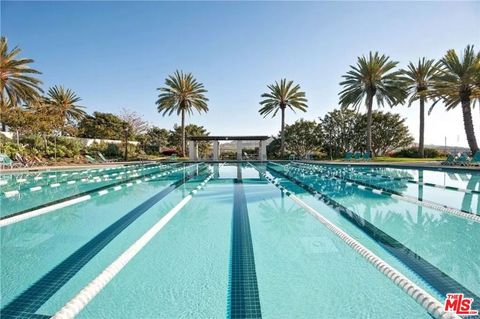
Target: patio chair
{"type": "Point", "coordinates": [348, 156]}
{"type": "Point", "coordinates": [357, 156]}
{"type": "Point", "coordinates": [103, 158]}
{"type": "Point", "coordinates": [366, 156]}
{"type": "Point", "coordinates": [90, 159]}
{"type": "Point", "coordinates": [5, 161]}
{"type": "Point", "coordinates": [38, 161]}
{"type": "Point", "coordinates": [462, 160]}
{"type": "Point", "coordinates": [476, 159]}
{"type": "Point", "coordinates": [23, 160]}
{"type": "Point", "coordinates": [449, 161]}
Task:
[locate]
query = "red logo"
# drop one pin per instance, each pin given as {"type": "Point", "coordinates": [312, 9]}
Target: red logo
{"type": "Point", "coordinates": [460, 305]}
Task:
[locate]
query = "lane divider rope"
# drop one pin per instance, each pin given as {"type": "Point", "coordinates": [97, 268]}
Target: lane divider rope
{"type": "Point", "coordinates": [83, 298]}
{"type": "Point", "coordinates": [70, 202]}
{"type": "Point", "coordinates": [423, 298]}
{"type": "Point", "coordinates": [428, 204]}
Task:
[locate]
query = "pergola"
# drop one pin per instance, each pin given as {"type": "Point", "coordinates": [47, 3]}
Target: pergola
{"type": "Point", "coordinates": [193, 145]}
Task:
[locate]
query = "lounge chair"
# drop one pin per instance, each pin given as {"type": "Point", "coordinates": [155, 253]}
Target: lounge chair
{"type": "Point", "coordinates": [38, 161]}
{"type": "Point", "coordinates": [23, 160]}
{"type": "Point", "coordinates": [357, 156]}
{"type": "Point", "coordinates": [103, 158]}
{"type": "Point", "coordinates": [366, 156]}
{"type": "Point", "coordinates": [462, 160]}
{"type": "Point", "coordinates": [449, 161]}
{"type": "Point", "coordinates": [173, 157]}
{"type": "Point", "coordinates": [476, 159]}
{"type": "Point", "coordinates": [90, 159]}
{"type": "Point", "coordinates": [348, 156]}
{"type": "Point", "coordinates": [5, 161]}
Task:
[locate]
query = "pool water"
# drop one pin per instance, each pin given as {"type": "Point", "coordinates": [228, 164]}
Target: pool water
{"type": "Point", "coordinates": [241, 246]}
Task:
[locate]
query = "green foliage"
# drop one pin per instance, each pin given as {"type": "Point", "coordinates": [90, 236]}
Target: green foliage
{"type": "Point", "coordinates": [175, 138]}
{"type": "Point", "coordinates": [412, 152]}
{"type": "Point", "coordinates": [103, 126]}
{"type": "Point", "coordinates": [154, 140]}
{"type": "Point", "coordinates": [112, 151]}
{"type": "Point", "coordinates": [64, 103]}
{"type": "Point", "coordinates": [339, 132]}
{"type": "Point", "coordinates": [303, 137]}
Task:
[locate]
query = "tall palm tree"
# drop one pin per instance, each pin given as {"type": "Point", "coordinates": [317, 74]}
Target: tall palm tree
{"type": "Point", "coordinates": [281, 96]}
{"type": "Point", "coordinates": [457, 84]}
{"type": "Point", "coordinates": [16, 84]}
{"type": "Point", "coordinates": [373, 77]}
{"type": "Point", "coordinates": [182, 94]}
{"type": "Point", "coordinates": [419, 79]}
{"type": "Point", "coordinates": [63, 101]}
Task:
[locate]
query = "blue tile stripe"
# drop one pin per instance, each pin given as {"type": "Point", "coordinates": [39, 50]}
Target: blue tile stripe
{"type": "Point", "coordinates": [91, 191]}
{"type": "Point", "coordinates": [432, 275]}
{"type": "Point", "coordinates": [243, 296]}
{"type": "Point", "coordinates": [38, 293]}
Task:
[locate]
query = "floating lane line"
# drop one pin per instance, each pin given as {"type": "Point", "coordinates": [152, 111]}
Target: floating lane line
{"type": "Point", "coordinates": [433, 276]}
{"type": "Point", "coordinates": [94, 178]}
{"type": "Point", "coordinates": [399, 196]}
{"type": "Point", "coordinates": [423, 298]}
{"type": "Point", "coordinates": [83, 298]}
{"type": "Point", "coordinates": [43, 209]}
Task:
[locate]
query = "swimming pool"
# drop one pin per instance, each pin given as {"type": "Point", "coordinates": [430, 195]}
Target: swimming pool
{"type": "Point", "coordinates": [238, 240]}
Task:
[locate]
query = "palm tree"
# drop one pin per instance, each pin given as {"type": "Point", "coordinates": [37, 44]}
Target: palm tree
{"type": "Point", "coordinates": [182, 94]}
{"type": "Point", "coordinates": [419, 79]}
{"type": "Point", "coordinates": [372, 77]}
{"type": "Point", "coordinates": [63, 102]}
{"type": "Point", "coordinates": [456, 84]}
{"type": "Point", "coordinates": [16, 84]}
{"type": "Point", "coordinates": [281, 96]}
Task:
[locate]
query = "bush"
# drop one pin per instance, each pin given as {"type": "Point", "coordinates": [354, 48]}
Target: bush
{"type": "Point", "coordinates": [412, 152]}
{"type": "Point", "coordinates": [112, 150]}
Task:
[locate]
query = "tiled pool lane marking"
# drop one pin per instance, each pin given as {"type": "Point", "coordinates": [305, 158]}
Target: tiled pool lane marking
{"type": "Point", "coordinates": [77, 198]}
{"type": "Point", "coordinates": [397, 195]}
{"type": "Point", "coordinates": [37, 294]}
{"type": "Point", "coordinates": [243, 297]}
{"type": "Point", "coordinates": [77, 303]}
{"type": "Point", "coordinates": [423, 298]}
{"type": "Point", "coordinates": [83, 179]}
{"type": "Point", "coordinates": [437, 279]}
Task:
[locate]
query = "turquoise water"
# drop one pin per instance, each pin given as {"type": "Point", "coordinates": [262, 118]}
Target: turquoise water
{"type": "Point", "coordinates": [239, 248]}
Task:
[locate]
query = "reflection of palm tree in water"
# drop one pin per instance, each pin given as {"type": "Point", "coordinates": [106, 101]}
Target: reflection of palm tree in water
{"type": "Point", "coordinates": [281, 220]}
{"type": "Point", "coordinates": [468, 197]}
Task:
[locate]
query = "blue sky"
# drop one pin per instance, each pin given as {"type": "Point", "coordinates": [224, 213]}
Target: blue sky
{"type": "Point", "coordinates": [115, 54]}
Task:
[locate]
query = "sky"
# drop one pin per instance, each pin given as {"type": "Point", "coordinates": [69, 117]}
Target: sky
{"type": "Point", "coordinates": [115, 54]}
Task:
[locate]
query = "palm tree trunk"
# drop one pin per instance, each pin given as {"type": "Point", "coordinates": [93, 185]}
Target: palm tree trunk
{"type": "Point", "coordinates": [421, 147]}
{"type": "Point", "coordinates": [282, 146]}
{"type": "Point", "coordinates": [183, 133]}
{"type": "Point", "coordinates": [369, 124]}
{"type": "Point", "coordinates": [468, 123]}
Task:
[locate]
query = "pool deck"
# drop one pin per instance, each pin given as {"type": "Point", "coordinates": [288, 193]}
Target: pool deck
{"type": "Point", "coordinates": [70, 166]}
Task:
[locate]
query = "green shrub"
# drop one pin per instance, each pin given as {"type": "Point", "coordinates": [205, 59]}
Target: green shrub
{"type": "Point", "coordinates": [112, 150]}
{"type": "Point", "coordinates": [412, 152]}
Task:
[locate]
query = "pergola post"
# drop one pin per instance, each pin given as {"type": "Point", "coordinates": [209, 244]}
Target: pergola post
{"type": "Point", "coordinates": [215, 150]}
{"type": "Point", "coordinates": [239, 150]}
{"type": "Point", "coordinates": [262, 150]}
{"type": "Point", "coordinates": [191, 150]}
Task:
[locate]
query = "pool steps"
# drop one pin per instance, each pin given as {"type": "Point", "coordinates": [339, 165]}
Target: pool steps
{"type": "Point", "coordinates": [423, 298]}
{"type": "Point", "coordinates": [78, 303]}
{"type": "Point", "coordinates": [17, 217]}
{"type": "Point", "coordinates": [399, 196]}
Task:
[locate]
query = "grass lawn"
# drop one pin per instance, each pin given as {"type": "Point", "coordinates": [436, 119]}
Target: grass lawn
{"type": "Point", "coordinates": [406, 159]}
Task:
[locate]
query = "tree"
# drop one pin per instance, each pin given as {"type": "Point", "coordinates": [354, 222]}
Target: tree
{"type": "Point", "coordinates": [372, 77]}
{"type": "Point", "coordinates": [136, 122]}
{"type": "Point", "coordinates": [181, 94]}
{"type": "Point", "coordinates": [389, 132]}
{"type": "Point", "coordinates": [102, 126]}
{"type": "Point", "coordinates": [17, 86]}
{"type": "Point", "coordinates": [175, 138]}
{"type": "Point", "coordinates": [154, 140]}
{"type": "Point", "coordinates": [63, 101]}
{"type": "Point", "coordinates": [281, 96]}
{"type": "Point", "coordinates": [303, 137]}
{"type": "Point", "coordinates": [419, 79]}
{"type": "Point", "coordinates": [456, 85]}
{"type": "Point", "coordinates": [339, 135]}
